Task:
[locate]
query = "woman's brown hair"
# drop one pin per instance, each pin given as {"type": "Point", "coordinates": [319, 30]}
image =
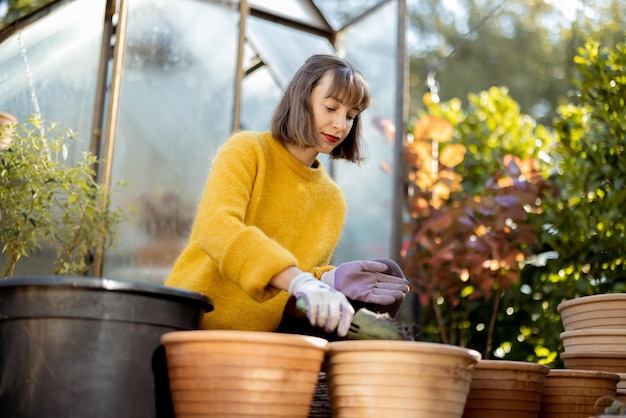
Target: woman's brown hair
{"type": "Point", "coordinates": [292, 121]}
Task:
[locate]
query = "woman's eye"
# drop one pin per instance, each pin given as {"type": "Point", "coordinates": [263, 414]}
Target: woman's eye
{"type": "Point", "coordinates": [330, 109]}
{"type": "Point", "coordinates": [351, 117]}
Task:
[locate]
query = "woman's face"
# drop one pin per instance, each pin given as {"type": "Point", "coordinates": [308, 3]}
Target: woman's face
{"type": "Point", "coordinates": [333, 119]}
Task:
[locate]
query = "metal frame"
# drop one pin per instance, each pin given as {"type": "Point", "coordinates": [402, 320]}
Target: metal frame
{"type": "Point", "coordinates": [117, 31]}
{"type": "Point", "coordinates": [114, 98]}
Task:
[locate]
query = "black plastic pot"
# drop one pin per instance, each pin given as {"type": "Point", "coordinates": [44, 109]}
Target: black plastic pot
{"type": "Point", "coordinates": [81, 347]}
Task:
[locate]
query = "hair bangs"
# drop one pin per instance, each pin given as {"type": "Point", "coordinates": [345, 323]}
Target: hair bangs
{"type": "Point", "coordinates": [350, 88]}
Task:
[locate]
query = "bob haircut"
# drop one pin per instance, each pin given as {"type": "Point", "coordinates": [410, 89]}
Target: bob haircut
{"type": "Point", "coordinates": [292, 121]}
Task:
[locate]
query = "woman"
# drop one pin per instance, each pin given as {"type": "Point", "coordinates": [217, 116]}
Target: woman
{"type": "Point", "coordinates": [270, 217]}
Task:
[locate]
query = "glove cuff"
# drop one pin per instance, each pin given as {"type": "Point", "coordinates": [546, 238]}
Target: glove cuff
{"type": "Point", "coordinates": [329, 278]}
{"type": "Point", "coordinates": [296, 281]}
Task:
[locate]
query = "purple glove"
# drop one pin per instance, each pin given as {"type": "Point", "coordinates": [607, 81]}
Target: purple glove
{"type": "Point", "coordinates": [394, 308]}
{"type": "Point", "coordinates": [365, 281]}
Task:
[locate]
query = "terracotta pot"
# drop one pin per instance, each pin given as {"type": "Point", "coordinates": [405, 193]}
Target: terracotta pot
{"type": "Point", "coordinates": [594, 341]}
{"type": "Point", "coordinates": [501, 388]}
{"type": "Point", "coordinates": [5, 132]}
{"type": "Point", "coordinates": [574, 393]}
{"type": "Point", "coordinates": [593, 312]}
{"type": "Point", "coordinates": [371, 378]}
{"type": "Point", "coordinates": [606, 362]}
{"type": "Point", "coordinates": [242, 373]}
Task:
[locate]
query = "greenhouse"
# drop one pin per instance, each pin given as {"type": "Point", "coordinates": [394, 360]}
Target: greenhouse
{"type": "Point", "coordinates": [148, 259]}
{"type": "Point", "coordinates": [154, 87]}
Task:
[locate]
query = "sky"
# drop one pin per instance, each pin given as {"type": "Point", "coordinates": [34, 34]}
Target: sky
{"type": "Point", "coordinates": [569, 8]}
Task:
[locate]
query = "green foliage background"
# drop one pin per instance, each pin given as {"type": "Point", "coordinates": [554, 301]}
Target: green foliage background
{"type": "Point", "coordinates": [582, 236]}
{"type": "Point", "coordinates": [525, 45]}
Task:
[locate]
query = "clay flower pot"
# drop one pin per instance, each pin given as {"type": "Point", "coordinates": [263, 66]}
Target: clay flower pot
{"type": "Point", "coordinates": [574, 393]}
{"type": "Point", "coordinates": [501, 388]}
{"type": "Point", "coordinates": [606, 362]}
{"type": "Point", "coordinates": [242, 373]}
{"type": "Point", "coordinates": [593, 312]}
{"type": "Point", "coordinates": [375, 378]}
{"type": "Point", "coordinates": [601, 340]}
{"type": "Point", "coordinates": [6, 120]}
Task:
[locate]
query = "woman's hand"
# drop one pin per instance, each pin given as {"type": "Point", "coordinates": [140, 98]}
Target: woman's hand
{"type": "Point", "coordinates": [379, 282]}
{"type": "Point", "coordinates": [325, 307]}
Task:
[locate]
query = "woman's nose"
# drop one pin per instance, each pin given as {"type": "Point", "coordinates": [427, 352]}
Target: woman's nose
{"type": "Point", "coordinates": [340, 122]}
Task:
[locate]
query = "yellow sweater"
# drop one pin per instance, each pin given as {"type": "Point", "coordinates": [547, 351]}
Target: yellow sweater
{"type": "Point", "coordinates": [261, 211]}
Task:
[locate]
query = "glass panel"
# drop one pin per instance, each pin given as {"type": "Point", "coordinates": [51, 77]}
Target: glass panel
{"type": "Point", "coordinates": [260, 93]}
{"type": "Point", "coordinates": [282, 50]}
{"type": "Point", "coordinates": [176, 106]}
{"type": "Point", "coordinates": [339, 13]}
{"type": "Point", "coordinates": [62, 51]}
{"type": "Point", "coordinates": [371, 46]}
{"type": "Point", "coordinates": [299, 10]}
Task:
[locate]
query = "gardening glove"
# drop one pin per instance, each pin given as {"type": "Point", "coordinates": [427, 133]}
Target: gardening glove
{"type": "Point", "coordinates": [379, 282]}
{"type": "Point", "coordinates": [325, 307]}
{"type": "Point", "coordinates": [393, 269]}
{"type": "Point", "coordinates": [366, 281]}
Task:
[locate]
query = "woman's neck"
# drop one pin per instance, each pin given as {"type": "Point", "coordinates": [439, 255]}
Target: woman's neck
{"type": "Point", "coordinates": [306, 156]}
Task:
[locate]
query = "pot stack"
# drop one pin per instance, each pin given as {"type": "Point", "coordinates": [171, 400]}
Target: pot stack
{"type": "Point", "coordinates": [502, 388]}
{"type": "Point", "coordinates": [594, 356]}
{"type": "Point", "coordinates": [595, 332]}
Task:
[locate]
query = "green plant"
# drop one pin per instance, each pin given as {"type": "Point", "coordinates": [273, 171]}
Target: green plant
{"type": "Point", "coordinates": [582, 227]}
{"type": "Point", "coordinates": [47, 201]}
{"type": "Point", "coordinates": [491, 126]}
{"type": "Point", "coordinates": [584, 223]}
{"type": "Point", "coordinates": [469, 204]}
{"type": "Point", "coordinates": [577, 219]}
{"type": "Point", "coordinates": [466, 249]}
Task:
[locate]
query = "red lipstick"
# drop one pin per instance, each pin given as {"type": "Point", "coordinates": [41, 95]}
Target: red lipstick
{"type": "Point", "coordinates": [331, 138]}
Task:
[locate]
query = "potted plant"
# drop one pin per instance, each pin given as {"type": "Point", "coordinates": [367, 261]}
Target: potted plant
{"type": "Point", "coordinates": [46, 201]}
{"type": "Point", "coordinates": [70, 344]}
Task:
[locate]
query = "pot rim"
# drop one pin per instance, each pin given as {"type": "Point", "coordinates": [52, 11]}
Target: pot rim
{"type": "Point", "coordinates": [603, 297]}
{"type": "Point", "coordinates": [396, 345]}
{"type": "Point", "coordinates": [106, 284]}
{"type": "Point", "coordinates": [10, 118]}
{"type": "Point", "coordinates": [240, 336]}
{"type": "Point", "coordinates": [583, 373]}
{"type": "Point", "coordinates": [512, 364]}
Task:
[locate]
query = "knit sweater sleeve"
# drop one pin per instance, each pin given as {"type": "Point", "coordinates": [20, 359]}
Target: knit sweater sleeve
{"type": "Point", "coordinates": [244, 253]}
